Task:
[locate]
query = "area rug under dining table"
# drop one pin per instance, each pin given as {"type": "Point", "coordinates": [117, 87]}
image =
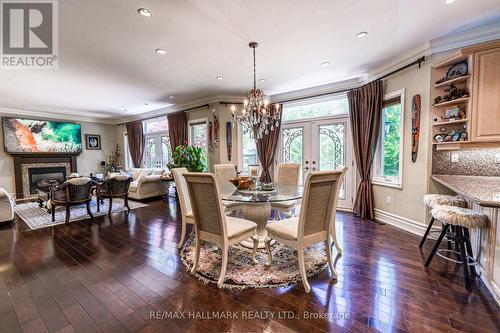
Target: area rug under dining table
{"type": "Point", "coordinates": [37, 217]}
{"type": "Point", "coordinates": [242, 273]}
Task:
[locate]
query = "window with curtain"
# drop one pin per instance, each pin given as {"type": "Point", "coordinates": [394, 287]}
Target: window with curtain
{"type": "Point", "coordinates": [157, 152]}
{"type": "Point", "coordinates": [198, 136]}
{"type": "Point", "coordinates": [388, 163]}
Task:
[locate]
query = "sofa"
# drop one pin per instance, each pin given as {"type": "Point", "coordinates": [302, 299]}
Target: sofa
{"type": "Point", "coordinates": [148, 183]}
{"type": "Point", "coordinates": [6, 206]}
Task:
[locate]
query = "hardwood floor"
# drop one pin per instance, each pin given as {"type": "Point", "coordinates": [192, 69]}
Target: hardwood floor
{"type": "Point", "coordinates": [123, 274]}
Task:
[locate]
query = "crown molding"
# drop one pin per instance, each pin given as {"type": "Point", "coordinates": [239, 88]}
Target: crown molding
{"type": "Point", "coordinates": [13, 112]}
{"type": "Point", "coordinates": [402, 60]}
{"type": "Point", "coordinates": [179, 107]}
{"type": "Point", "coordinates": [317, 90]}
{"type": "Point", "coordinates": [465, 38]}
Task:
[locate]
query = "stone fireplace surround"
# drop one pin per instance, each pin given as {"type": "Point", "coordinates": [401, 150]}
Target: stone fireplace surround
{"type": "Point", "coordinates": [22, 163]}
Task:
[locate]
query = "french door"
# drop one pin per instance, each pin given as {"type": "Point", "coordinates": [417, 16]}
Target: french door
{"type": "Point", "coordinates": [320, 145]}
{"type": "Point", "coordinates": [157, 152]}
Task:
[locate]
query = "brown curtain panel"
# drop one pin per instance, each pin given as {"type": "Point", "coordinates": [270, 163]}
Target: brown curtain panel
{"type": "Point", "coordinates": [177, 129]}
{"type": "Point", "coordinates": [266, 148]}
{"type": "Point", "coordinates": [135, 137]}
{"type": "Point", "coordinates": [365, 108]}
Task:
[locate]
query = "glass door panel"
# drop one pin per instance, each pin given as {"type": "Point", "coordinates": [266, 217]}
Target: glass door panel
{"type": "Point", "coordinates": [293, 146]}
{"type": "Point", "coordinates": [150, 160]}
{"type": "Point", "coordinates": [331, 149]}
{"type": "Point", "coordinates": [158, 153]}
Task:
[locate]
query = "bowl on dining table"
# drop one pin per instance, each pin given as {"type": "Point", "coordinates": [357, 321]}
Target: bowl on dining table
{"type": "Point", "coordinates": [241, 182]}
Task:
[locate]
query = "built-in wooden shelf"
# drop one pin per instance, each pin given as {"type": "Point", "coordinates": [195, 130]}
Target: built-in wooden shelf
{"type": "Point", "coordinates": [452, 59]}
{"type": "Point", "coordinates": [441, 123]}
{"type": "Point", "coordinates": [452, 102]}
{"type": "Point", "coordinates": [456, 80]}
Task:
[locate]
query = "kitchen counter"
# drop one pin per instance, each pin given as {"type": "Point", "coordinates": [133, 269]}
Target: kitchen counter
{"type": "Point", "coordinates": [485, 191]}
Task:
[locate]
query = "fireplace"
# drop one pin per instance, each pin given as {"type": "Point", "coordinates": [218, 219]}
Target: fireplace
{"type": "Point", "coordinates": [41, 178]}
{"type": "Point", "coordinates": [34, 169]}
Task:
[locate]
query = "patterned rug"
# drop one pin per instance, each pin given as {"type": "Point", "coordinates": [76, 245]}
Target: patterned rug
{"type": "Point", "coordinates": [37, 218]}
{"type": "Point", "coordinates": [241, 273]}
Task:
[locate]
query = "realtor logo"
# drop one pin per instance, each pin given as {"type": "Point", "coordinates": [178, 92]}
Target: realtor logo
{"type": "Point", "coordinates": [29, 34]}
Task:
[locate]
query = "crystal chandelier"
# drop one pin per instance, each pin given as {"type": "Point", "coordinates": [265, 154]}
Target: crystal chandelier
{"type": "Point", "coordinates": [258, 117]}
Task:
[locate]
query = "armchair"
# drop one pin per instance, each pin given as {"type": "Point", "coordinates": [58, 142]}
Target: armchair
{"type": "Point", "coordinates": [6, 206]}
{"type": "Point", "coordinates": [115, 187]}
{"type": "Point", "coordinates": [73, 192]}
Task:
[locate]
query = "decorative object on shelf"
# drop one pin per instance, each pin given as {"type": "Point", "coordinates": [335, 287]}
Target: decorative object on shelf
{"type": "Point", "coordinates": [438, 138]}
{"type": "Point", "coordinates": [415, 126]}
{"type": "Point", "coordinates": [455, 71]}
{"type": "Point", "coordinates": [258, 118]}
{"type": "Point", "coordinates": [189, 157]}
{"type": "Point", "coordinates": [229, 139]}
{"type": "Point", "coordinates": [452, 113]}
{"type": "Point", "coordinates": [453, 94]}
{"type": "Point", "coordinates": [92, 142]}
{"type": "Point", "coordinates": [452, 135]}
{"type": "Point", "coordinates": [435, 119]}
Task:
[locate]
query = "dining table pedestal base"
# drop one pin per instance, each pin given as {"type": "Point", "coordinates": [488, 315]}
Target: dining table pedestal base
{"type": "Point", "coordinates": [258, 212]}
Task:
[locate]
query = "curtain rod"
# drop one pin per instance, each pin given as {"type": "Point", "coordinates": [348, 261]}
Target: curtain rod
{"type": "Point", "coordinates": [419, 61]}
{"type": "Point", "coordinates": [166, 114]}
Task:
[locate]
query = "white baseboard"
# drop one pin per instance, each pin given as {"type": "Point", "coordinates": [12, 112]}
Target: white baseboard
{"type": "Point", "coordinates": [400, 222]}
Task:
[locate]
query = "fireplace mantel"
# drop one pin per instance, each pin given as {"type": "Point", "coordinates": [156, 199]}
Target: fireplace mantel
{"type": "Point", "coordinates": [21, 159]}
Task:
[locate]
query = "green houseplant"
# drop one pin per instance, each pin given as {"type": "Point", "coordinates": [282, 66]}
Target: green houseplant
{"type": "Point", "coordinates": [190, 157]}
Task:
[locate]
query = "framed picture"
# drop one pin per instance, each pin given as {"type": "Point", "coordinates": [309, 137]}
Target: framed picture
{"type": "Point", "coordinates": [93, 141]}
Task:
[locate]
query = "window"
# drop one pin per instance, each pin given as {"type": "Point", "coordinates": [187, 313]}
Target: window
{"type": "Point", "coordinates": [388, 158]}
{"type": "Point", "coordinates": [157, 152]}
{"type": "Point", "coordinates": [198, 136]}
{"type": "Point", "coordinates": [249, 155]}
{"type": "Point", "coordinates": [329, 106]}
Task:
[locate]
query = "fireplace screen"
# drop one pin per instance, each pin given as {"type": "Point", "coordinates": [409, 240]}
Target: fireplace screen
{"type": "Point", "coordinates": [42, 178]}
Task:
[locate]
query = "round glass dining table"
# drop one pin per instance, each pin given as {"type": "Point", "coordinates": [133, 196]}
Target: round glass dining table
{"type": "Point", "coordinates": [256, 204]}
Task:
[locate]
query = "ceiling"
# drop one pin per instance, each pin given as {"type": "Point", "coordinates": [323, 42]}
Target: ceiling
{"type": "Point", "coordinates": [108, 63]}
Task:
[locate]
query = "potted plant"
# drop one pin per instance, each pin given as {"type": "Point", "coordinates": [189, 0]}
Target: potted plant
{"type": "Point", "coordinates": [189, 157]}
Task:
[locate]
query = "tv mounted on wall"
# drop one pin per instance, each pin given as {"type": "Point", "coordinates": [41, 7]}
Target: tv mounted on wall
{"type": "Point", "coordinates": [24, 136]}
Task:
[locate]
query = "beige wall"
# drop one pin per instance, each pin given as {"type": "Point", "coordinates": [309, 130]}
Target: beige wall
{"type": "Point", "coordinates": [87, 162]}
{"type": "Point", "coordinates": [407, 202]}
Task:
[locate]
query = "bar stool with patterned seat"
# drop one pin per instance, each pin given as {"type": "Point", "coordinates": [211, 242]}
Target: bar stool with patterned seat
{"type": "Point", "coordinates": [462, 219]}
{"type": "Point", "coordinates": [431, 200]}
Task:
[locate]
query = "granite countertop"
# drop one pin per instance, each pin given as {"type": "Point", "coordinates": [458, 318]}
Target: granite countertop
{"type": "Point", "coordinates": [485, 191]}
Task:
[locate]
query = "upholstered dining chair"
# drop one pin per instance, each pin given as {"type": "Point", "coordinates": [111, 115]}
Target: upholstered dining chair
{"type": "Point", "coordinates": [184, 201]}
{"type": "Point", "coordinates": [224, 173]}
{"type": "Point", "coordinates": [288, 174]}
{"type": "Point", "coordinates": [315, 221]}
{"type": "Point", "coordinates": [73, 192]}
{"type": "Point", "coordinates": [212, 224]}
{"type": "Point", "coordinates": [114, 187]}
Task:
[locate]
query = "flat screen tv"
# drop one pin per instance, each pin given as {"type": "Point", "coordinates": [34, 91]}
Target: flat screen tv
{"type": "Point", "coordinates": [41, 136]}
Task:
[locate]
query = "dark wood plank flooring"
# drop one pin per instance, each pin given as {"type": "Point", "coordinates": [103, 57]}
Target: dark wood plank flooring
{"type": "Point", "coordinates": [119, 274]}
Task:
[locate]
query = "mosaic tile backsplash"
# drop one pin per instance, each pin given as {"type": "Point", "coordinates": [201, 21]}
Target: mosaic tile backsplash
{"type": "Point", "coordinates": [471, 162]}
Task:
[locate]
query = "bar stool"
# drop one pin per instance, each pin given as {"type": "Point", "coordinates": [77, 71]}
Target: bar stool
{"type": "Point", "coordinates": [431, 200]}
{"type": "Point", "coordinates": [462, 219]}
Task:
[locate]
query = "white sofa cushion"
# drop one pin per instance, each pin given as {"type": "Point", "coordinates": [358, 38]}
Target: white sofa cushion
{"type": "Point", "coordinates": [133, 186]}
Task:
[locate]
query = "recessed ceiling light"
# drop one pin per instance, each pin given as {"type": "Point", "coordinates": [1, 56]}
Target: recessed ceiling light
{"type": "Point", "coordinates": [219, 77]}
{"type": "Point", "coordinates": [161, 51]}
{"type": "Point", "coordinates": [171, 97]}
{"type": "Point", "coordinates": [361, 34]}
{"type": "Point", "coordinates": [325, 64]}
{"type": "Point", "coordinates": [262, 80]}
{"type": "Point", "coordinates": [125, 110]}
{"type": "Point", "coordinates": [146, 103]}
{"type": "Point", "coordinates": [447, 2]}
{"type": "Point", "coordinates": [145, 12]}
